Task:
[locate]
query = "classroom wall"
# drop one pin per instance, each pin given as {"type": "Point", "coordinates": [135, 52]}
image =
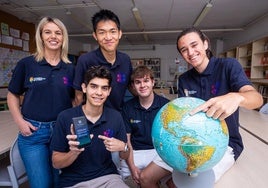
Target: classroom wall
{"type": "Point", "coordinates": [16, 23]}
{"type": "Point", "coordinates": [167, 54]}
{"type": "Point", "coordinates": [253, 32]}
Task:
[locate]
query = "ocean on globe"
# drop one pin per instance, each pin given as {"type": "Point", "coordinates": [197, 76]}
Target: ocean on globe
{"type": "Point", "coordinates": [189, 144]}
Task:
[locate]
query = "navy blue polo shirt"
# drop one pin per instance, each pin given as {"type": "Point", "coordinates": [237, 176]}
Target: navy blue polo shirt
{"type": "Point", "coordinates": [120, 70]}
{"type": "Point", "coordinates": [95, 161]}
{"type": "Point", "coordinates": [139, 121]}
{"type": "Point", "coordinates": [47, 89]}
{"type": "Point", "coordinates": [222, 75]}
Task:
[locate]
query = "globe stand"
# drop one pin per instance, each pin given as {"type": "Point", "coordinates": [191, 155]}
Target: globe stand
{"type": "Point", "coordinates": [194, 180]}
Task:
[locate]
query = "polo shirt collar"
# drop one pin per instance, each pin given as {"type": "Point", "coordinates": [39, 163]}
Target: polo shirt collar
{"type": "Point", "coordinates": [61, 64]}
{"type": "Point", "coordinates": [210, 68]}
{"type": "Point", "coordinates": [154, 105]}
{"type": "Point", "coordinates": [104, 61]}
{"type": "Point", "coordinates": [103, 118]}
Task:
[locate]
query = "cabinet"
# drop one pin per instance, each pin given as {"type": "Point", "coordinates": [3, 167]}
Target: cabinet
{"type": "Point", "coordinates": [262, 86]}
{"type": "Point", "coordinates": [253, 57]}
{"type": "Point", "coordinates": [260, 59]}
{"type": "Point", "coordinates": [152, 63]}
{"type": "Point", "coordinates": [230, 53]}
{"type": "Point", "coordinates": [244, 57]}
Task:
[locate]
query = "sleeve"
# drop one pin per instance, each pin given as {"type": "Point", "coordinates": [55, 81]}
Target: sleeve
{"type": "Point", "coordinates": [237, 75]}
{"type": "Point", "coordinates": [80, 69]}
{"type": "Point", "coordinates": [126, 119]}
{"type": "Point", "coordinates": [180, 87]}
{"type": "Point", "coordinates": [122, 135]}
{"type": "Point", "coordinates": [16, 84]}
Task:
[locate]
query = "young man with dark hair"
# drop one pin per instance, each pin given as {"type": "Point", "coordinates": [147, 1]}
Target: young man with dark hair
{"type": "Point", "coordinates": [91, 166]}
{"type": "Point", "coordinates": [107, 33]}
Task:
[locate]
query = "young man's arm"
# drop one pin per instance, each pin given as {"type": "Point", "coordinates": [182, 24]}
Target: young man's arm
{"type": "Point", "coordinates": [78, 99]}
{"type": "Point", "coordinates": [130, 162]}
{"type": "Point", "coordinates": [223, 106]}
{"type": "Point", "coordinates": [64, 159]}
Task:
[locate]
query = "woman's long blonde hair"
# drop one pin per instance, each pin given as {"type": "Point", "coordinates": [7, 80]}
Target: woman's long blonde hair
{"type": "Point", "coordinates": [39, 54]}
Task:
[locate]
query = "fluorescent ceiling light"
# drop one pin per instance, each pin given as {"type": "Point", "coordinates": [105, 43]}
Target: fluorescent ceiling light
{"type": "Point", "coordinates": [139, 21]}
{"type": "Point", "coordinates": [202, 14]}
{"type": "Point", "coordinates": [138, 18]}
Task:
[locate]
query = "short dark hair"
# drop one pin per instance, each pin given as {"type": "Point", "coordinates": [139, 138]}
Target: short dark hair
{"type": "Point", "coordinates": [202, 36]}
{"type": "Point", "coordinates": [98, 72]}
{"type": "Point", "coordinates": [104, 15]}
{"type": "Point", "coordinates": [140, 72]}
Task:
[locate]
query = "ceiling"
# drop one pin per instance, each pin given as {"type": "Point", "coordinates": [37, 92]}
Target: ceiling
{"type": "Point", "coordinates": [160, 20]}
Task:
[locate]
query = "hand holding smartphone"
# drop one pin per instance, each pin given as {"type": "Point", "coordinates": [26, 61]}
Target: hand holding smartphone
{"type": "Point", "coordinates": [82, 131]}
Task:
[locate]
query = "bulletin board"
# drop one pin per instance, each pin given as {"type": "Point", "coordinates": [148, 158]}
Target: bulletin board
{"type": "Point", "coordinates": [16, 42]}
{"type": "Point", "coordinates": [8, 61]}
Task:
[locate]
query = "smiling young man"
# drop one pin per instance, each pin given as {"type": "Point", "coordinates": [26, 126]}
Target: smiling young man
{"type": "Point", "coordinates": [91, 166]}
{"type": "Point", "coordinates": [107, 33]}
{"type": "Point", "coordinates": [138, 114]}
{"type": "Point", "coordinates": [222, 83]}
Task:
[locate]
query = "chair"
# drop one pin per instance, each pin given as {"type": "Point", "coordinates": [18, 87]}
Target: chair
{"type": "Point", "coordinates": [14, 174]}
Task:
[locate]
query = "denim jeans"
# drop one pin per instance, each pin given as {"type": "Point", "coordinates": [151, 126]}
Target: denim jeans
{"type": "Point", "coordinates": [36, 155]}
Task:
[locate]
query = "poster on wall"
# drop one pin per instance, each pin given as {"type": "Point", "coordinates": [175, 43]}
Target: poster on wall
{"type": "Point", "coordinates": [8, 60]}
{"type": "Point", "coordinates": [15, 33]}
{"type": "Point", "coordinates": [7, 40]}
{"type": "Point", "coordinates": [4, 29]}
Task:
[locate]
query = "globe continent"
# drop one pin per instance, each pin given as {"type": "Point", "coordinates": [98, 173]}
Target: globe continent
{"type": "Point", "coordinates": [189, 144]}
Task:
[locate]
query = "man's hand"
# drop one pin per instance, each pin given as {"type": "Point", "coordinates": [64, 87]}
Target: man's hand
{"type": "Point", "coordinates": [112, 144]}
{"type": "Point", "coordinates": [220, 107]}
{"type": "Point", "coordinates": [73, 143]}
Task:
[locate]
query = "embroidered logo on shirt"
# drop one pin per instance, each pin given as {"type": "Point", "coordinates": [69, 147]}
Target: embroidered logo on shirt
{"type": "Point", "coordinates": [66, 81]}
{"type": "Point", "coordinates": [108, 133]}
{"type": "Point", "coordinates": [36, 79]}
{"type": "Point", "coordinates": [135, 121]}
{"type": "Point", "coordinates": [121, 77]}
{"type": "Point", "coordinates": [215, 88]}
{"type": "Point", "coordinates": [188, 93]}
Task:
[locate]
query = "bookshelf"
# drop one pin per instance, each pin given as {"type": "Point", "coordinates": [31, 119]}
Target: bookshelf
{"type": "Point", "coordinates": [152, 63]}
{"type": "Point", "coordinates": [253, 57]}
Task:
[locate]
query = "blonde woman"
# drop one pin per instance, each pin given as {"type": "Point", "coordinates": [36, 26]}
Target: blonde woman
{"type": "Point", "coordinates": [45, 80]}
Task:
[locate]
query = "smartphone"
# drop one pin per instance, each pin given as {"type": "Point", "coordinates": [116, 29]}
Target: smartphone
{"type": "Point", "coordinates": [82, 131]}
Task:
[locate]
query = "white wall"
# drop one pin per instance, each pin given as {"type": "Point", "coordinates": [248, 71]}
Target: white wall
{"type": "Point", "coordinates": [251, 33]}
{"type": "Point", "coordinates": [167, 54]}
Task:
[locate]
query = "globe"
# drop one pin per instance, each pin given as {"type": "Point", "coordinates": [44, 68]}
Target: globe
{"type": "Point", "coordinates": [188, 143]}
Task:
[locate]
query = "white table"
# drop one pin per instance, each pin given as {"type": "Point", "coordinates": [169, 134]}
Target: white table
{"type": "Point", "coordinates": [255, 123]}
{"type": "Point", "coordinates": [8, 131]}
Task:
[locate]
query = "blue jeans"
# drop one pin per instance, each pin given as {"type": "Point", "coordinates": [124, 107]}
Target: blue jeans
{"type": "Point", "coordinates": [36, 155]}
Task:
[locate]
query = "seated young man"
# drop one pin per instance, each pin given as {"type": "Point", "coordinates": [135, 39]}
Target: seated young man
{"type": "Point", "coordinates": [138, 114]}
{"type": "Point", "coordinates": [91, 166]}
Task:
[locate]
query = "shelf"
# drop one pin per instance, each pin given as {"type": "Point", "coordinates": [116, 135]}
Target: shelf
{"type": "Point", "coordinates": [152, 63]}
{"type": "Point", "coordinates": [253, 58]}
{"type": "Point", "coordinates": [261, 66]}
{"type": "Point", "coordinates": [246, 56]}
{"type": "Point", "coordinates": [261, 52]}
{"type": "Point", "coordinates": [260, 81]}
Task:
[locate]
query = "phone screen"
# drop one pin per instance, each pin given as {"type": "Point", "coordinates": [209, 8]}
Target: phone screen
{"type": "Point", "coordinates": [82, 131]}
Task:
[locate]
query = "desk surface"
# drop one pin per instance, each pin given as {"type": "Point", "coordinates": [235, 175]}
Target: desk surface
{"type": "Point", "coordinates": [8, 131]}
{"type": "Point", "coordinates": [255, 123]}
{"type": "Point", "coordinates": [251, 167]}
